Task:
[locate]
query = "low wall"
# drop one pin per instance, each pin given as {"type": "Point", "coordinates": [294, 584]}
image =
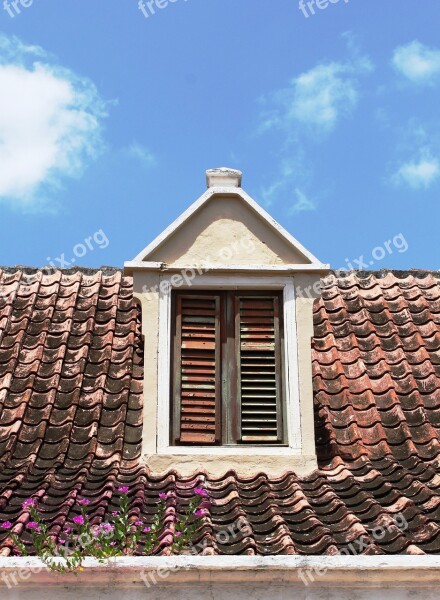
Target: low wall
{"type": "Point", "coordinates": [228, 578]}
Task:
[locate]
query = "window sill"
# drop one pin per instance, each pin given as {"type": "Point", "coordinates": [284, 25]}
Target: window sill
{"type": "Point", "coordinates": [217, 464]}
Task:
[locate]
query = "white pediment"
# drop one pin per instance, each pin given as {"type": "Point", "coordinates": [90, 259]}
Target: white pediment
{"type": "Point", "coordinates": [226, 227]}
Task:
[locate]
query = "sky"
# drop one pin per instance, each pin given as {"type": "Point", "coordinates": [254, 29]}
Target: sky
{"type": "Point", "coordinates": [112, 110]}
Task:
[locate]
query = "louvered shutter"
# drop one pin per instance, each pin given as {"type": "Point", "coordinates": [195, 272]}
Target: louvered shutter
{"type": "Point", "coordinates": [259, 355]}
{"type": "Point", "coordinates": [197, 378]}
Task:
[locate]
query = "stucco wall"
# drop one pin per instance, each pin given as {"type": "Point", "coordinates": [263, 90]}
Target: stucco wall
{"type": "Point", "coordinates": [204, 591]}
{"type": "Point", "coordinates": [226, 223]}
{"type": "Point", "coordinates": [147, 294]}
{"type": "Point", "coordinates": [228, 578]}
{"type": "Point", "coordinates": [146, 287]}
{"type": "Point", "coordinates": [306, 290]}
{"type": "Point", "coordinates": [224, 232]}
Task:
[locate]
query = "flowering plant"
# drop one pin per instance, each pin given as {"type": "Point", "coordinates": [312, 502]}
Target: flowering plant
{"type": "Point", "coordinates": [123, 534]}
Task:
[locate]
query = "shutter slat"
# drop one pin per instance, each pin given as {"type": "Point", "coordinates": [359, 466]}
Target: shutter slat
{"type": "Point", "coordinates": [197, 377]}
{"type": "Point", "coordinates": [259, 360]}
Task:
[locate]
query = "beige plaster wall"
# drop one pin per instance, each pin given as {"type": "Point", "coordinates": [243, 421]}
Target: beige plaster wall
{"type": "Point", "coordinates": [146, 292]}
{"type": "Point", "coordinates": [226, 231]}
{"type": "Point", "coordinates": [307, 287]}
{"type": "Point", "coordinates": [146, 288]}
{"type": "Point", "coordinates": [223, 591]}
{"type": "Point", "coordinates": [227, 578]}
{"type": "Point", "coordinates": [247, 466]}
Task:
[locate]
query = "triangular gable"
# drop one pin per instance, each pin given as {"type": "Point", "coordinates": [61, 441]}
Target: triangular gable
{"type": "Point", "coordinates": [226, 226]}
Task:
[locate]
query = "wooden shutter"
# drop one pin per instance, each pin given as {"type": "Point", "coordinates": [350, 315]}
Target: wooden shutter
{"type": "Point", "coordinates": [259, 356]}
{"type": "Point", "coordinates": [197, 378]}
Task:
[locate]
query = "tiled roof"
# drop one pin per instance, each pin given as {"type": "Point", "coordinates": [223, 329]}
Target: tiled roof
{"type": "Point", "coordinates": [71, 370]}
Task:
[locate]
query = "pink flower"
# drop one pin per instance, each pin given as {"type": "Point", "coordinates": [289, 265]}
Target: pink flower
{"type": "Point", "coordinates": [163, 496]}
{"type": "Point", "coordinates": [67, 530]}
{"type": "Point", "coordinates": [107, 527]}
{"type": "Point", "coordinates": [78, 520]}
{"type": "Point", "coordinates": [123, 489]}
{"type": "Point", "coordinates": [200, 492]}
{"type": "Point", "coordinates": [83, 502]}
{"type": "Point", "coordinates": [112, 543]}
{"type": "Point", "coordinates": [200, 512]}
{"type": "Point", "coordinates": [32, 525]}
{"type": "Point", "coordinates": [178, 533]}
{"type": "Point", "coordinates": [115, 513]}
{"type": "Point", "coordinates": [138, 523]}
{"type": "Point", "coordinates": [7, 525]}
{"type": "Point", "coordinates": [28, 502]}
{"type": "Point", "coordinates": [147, 529]}
{"type": "Point", "coordinates": [62, 541]}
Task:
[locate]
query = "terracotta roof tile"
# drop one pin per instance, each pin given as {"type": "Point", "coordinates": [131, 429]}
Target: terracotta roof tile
{"type": "Point", "coordinates": [71, 372]}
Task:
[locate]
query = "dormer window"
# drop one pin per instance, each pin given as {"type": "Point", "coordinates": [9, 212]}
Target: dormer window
{"type": "Point", "coordinates": [227, 339]}
{"type": "Point", "coordinates": [227, 385]}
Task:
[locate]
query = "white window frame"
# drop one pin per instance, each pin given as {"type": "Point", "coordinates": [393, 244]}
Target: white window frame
{"type": "Point", "coordinates": [290, 366]}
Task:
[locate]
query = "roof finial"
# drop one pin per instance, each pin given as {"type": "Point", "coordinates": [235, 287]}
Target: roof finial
{"type": "Point", "coordinates": [223, 177]}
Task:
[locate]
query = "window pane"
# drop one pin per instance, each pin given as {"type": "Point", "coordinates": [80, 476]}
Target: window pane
{"type": "Point", "coordinates": [260, 369]}
{"type": "Point", "coordinates": [197, 370]}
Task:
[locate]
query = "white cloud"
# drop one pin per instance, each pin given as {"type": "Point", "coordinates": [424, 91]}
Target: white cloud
{"type": "Point", "coordinates": [322, 95]}
{"type": "Point", "coordinates": [418, 174]}
{"type": "Point", "coordinates": [417, 62]}
{"type": "Point", "coordinates": [50, 123]}
{"type": "Point", "coordinates": [142, 154]}
{"type": "Point", "coordinates": [303, 203]}
{"type": "Point", "coordinates": [285, 186]}
{"type": "Point", "coordinates": [284, 182]}
{"type": "Point", "coordinates": [270, 193]}
{"type": "Point", "coordinates": [318, 98]}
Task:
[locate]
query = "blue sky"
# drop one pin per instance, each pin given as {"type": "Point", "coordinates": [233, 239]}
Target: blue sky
{"type": "Point", "coordinates": [109, 119]}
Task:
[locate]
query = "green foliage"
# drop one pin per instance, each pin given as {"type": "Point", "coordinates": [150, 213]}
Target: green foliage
{"type": "Point", "coordinates": [122, 535]}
